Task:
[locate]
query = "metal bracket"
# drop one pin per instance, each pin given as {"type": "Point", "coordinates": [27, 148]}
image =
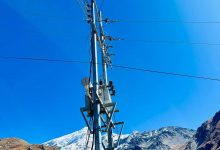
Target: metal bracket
{"type": "Point", "coordinates": [82, 110]}
{"type": "Point", "coordinates": [119, 137]}
{"type": "Point", "coordinates": [110, 117]}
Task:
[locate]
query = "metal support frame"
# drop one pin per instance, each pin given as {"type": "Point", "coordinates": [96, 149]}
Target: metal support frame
{"type": "Point", "coordinates": [82, 110]}
{"type": "Point", "coordinates": [119, 137]}
{"type": "Point", "coordinates": [115, 145]}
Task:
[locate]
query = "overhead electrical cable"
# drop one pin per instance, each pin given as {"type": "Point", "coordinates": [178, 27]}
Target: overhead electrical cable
{"type": "Point", "coordinates": [171, 42]}
{"type": "Point", "coordinates": [167, 73]}
{"type": "Point", "coordinates": [102, 3]}
{"type": "Point", "coordinates": [126, 20]}
{"type": "Point", "coordinates": [45, 59]}
{"type": "Point", "coordinates": [117, 66]}
{"type": "Point", "coordinates": [136, 40]}
{"type": "Point", "coordinates": [83, 3]}
{"type": "Point", "coordinates": [82, 6]}
{"type": "Point", "coordinates": [167, 21]}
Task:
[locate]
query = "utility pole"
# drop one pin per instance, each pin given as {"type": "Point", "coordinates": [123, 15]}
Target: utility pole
{"type": "Point", "coordinates": [96, 126]}
{"type": "Point", "coordinates": [106, 95]}
{"type": "Point", "coordinates": [98, 98]}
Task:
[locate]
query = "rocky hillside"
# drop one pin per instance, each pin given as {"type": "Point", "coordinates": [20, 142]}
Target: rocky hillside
{"type": "Point", "coordinates": [169, 138]}
{"type": "Point", "coordinates": [17, 144]}
{"type": "Point", "coordinates": [207, 136]}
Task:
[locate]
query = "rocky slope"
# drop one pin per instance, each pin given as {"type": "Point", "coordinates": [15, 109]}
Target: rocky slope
{"type": "Point", "coordinates": [17, 144]}
{"type": "Point", "coordinates": [169, 138]}
{"type": "Point", "coordinates": [207, 136]}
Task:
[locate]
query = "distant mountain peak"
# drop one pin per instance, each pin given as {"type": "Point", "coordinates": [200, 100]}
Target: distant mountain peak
{"type": "Point", "coordinates": [75, 140]}
{"type": "Point", "coordinates": [207, 137]}
{"type": "Point", "coordinates": [164, 138]}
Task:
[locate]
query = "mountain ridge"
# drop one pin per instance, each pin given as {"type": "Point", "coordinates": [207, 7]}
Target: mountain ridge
{"type": "Point", "coordinates": [18, 144]}
{"type": "Point", "coordinates": [206, 137]}
{"type": "Point", "coordinates": [165, 136]}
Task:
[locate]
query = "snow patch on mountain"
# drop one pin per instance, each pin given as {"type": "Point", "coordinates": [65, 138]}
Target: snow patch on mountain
{"type": "Point", "coordinates": [168, 138]}
{"type": "Point", "coordinates": [73, 141]}
{"type": "Point", "coordinates": [77, 140]}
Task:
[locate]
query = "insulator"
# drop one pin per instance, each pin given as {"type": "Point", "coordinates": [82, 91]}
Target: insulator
{"type": "Point", "coordinates": [106, 20]}
{"type": "Point", "coordinates": [100, 82]}
{"type": "Point", "coordinates": [109, 46]}
{"type": "Point", "coordinates": [112, 88]}
{"type": "Point", "coordinates": [90, 90]}
{"type": "Point", "coordinates": [110, 84]}
{"type": "Point", "coordinates": [108, 38]}
{"type": "Point", "coordinates": [113, 93]}
{"type": "Point", "coordinates": [89, 20]}
{"type": "Point", "coordinates": [113, 38]}
{"type": "Point", "coordinates": [88, 6]}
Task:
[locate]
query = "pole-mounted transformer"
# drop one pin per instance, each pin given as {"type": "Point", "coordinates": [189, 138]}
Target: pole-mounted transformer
{"type": "Point", "coordinates": [99, 106]}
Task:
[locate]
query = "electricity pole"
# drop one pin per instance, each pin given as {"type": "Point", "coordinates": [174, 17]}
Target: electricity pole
{"type": "Point", "coordinates": [96, 126]}
{"type": "Point", "coordinates": [106, 95]}
{"type": "Point", "coordinates": [98, 98]}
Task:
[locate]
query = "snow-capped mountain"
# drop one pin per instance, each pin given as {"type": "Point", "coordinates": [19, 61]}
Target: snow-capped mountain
{"type": "Point", "coordinates": [73, 141]}
{"type": "Point", "coordinates": [168, 138]}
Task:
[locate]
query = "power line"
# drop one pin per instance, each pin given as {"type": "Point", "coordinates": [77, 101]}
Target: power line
{"type": "Point", "coordinates": [102, 3]}
{"type": "Point", "coordinates": [46, 59]}
{"type": "Point", "coordinates": [82, 6]}
{"type": "Point", "coordinates": [125, 39]}
{"type": "Point", "coordinates": [125, 20]}
{"type": "Point", "coordinates": [167, 21]}
{"type": "Point", "coordinates": [131, 40]}
{"type": "Point", "coordinates": [172, 42]}
{"type": "Point", "coordinates": [167, 73]}
{"type": "Point", "coordinates": [116, 66]}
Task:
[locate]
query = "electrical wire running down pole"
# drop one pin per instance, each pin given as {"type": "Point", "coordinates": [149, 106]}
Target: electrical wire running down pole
{"type": "Point", "coordinates": [99, 108]}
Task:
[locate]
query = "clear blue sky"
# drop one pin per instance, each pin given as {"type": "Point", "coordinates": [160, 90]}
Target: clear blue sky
{"type": "Point", "coordinates": [41, 100]}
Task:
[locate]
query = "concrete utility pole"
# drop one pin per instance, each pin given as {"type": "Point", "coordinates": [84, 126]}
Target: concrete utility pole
{"type": "Point", "coordinates": [98, 101]}
{"type": "Point", "coordinates": [106, 95]}
{"type": "Point", "coordinates": [97, 125]}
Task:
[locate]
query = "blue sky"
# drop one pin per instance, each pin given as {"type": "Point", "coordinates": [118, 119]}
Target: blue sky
{"type": "Point", "coordinates": [41, 100]}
